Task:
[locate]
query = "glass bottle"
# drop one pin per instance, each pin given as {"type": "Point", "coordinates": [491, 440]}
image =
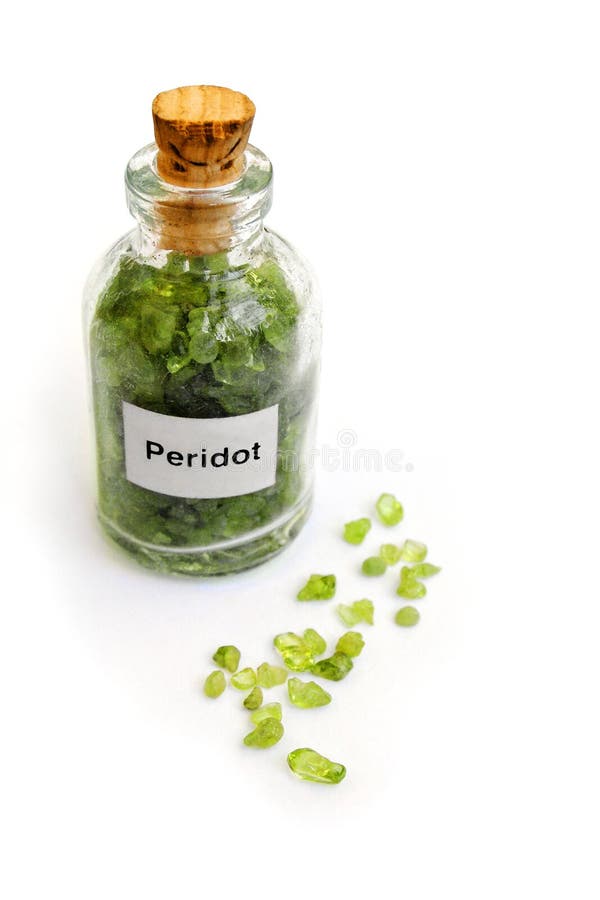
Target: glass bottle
{"type": "Point", "coordinates": [204, 343]}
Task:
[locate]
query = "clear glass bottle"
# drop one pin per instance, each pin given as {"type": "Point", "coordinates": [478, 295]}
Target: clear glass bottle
{"type": "Point", "coordinates": [204, 343]}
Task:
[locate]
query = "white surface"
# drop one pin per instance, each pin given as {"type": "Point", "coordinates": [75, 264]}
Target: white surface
{"type": "Point", "coordinates": [450, 209]}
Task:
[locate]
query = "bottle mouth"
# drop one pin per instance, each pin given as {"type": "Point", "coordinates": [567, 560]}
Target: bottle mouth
{"type": "Point", "coordinates": [194, 219]}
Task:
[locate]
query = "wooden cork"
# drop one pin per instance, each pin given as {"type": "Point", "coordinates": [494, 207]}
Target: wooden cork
{"type": "Point", "coordinates": [201, 132]}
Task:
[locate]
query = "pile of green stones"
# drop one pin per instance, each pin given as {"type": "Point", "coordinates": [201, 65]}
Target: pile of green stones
{"type": "Point", "coordinates": [306, 653]}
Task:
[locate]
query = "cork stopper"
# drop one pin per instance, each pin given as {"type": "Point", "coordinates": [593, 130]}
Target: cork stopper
{"type": "Point", "coordinates": [201, 132]}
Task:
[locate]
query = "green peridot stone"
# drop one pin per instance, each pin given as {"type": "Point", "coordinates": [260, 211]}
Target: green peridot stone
{"type": "Point", "coordinates": [409, 587]}
{"type": "Point", "coordinates": [318, 587]}
{"type": "Point", "coordinates": [215, 684]}
{"type": "Point", "coordinates": [268, 676]}
{"type": "Point", "coordinates": [307, 694]}
{"type": "Point", "coordinates": [334, 668]}
{"type": "Point", "coordinates": [295, 651]}
{"type": "Point", "coordinates": [268, 711]}
{"type": "Point", "coordinates": [315, 642]}
{"type": "Point", "coordinates": [355, 532]}
{"type": "Point", "coordinates": [407, 616]}
{"type": "Point", "coordinates": [266, 734]}
{"type": "Point", "coordinates": [311, 766]}
{"type": "Point", "coordinates": [374, 565]}
{"type": "Point", "coordinates": [254, 699]}
{"type": "Point", "coordinates": [244, 679]}
{"type": "Point", "coordinates": [350, 643]}
{"type": "Point", "coordinates": [425, 570]}
{"type": "Point", "coordinates": [413, 551]}
{"type": "Point", "coordinates": [228, 657]}
{"type": "Point", "coordinates": [359, 611]}
{"type": "Point", "coordinates": [390, 553]}
{"type": "Point", "coordinates": [389, 509]}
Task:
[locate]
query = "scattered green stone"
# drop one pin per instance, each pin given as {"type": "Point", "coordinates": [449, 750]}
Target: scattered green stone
{"type": "Point", "coordinates": [389, 509]}
{"type": "Point", "coordinates": [350, 643]}
{"type": "Point", "coordinates": [254, 699]}
{"type": "Point", "coordinates": [268, 676]}
{"type": "Point", "coordinates": [374, 565]}
{"type": "Point", "coordinates": [407, 616]}
{"type": "Point", "coordinates": [314, 640]}
{"type": "Point", "coordinates": [355, 532]}
{"type": "Point", "coordinates": [318, 587]}
{"type": "Point", "coordinates": [244, 679]}
{"type": "Point", "coordinates": [311, 766]}
{"type": "Point", "coordinates": [266, 734]}
{"type": "Point", "coordinates": [215, 684]}
{"type": "Point", "coordinates": [390, 553]}
{"type": "Point", "coordinates": [228, 657]}
{"type": "Point", "coordinates": [268, 711]}
{"type": "Point", "coordinates": [359, 611]}
{"type": "Point", "coordinates": [334, 668]}
{"type": "Point", "coordinates": [307, 694]}
{"type": "Point", "coordinates": [295, 651]}
{"type": "Point", "coordinates": [425, 570]}
{"type": "Point", "coordinates": [409, 587]}
{"type": "Point", "coordinates": [413, 551]}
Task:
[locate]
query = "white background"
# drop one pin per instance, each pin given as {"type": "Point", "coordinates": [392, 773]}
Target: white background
{"type": "Point", "coordinates": [438, 163]}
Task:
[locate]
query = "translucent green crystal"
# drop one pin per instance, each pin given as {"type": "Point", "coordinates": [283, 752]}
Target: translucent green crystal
{"type": "Point", "coordinates": [425, 570]}
{"type": "Point", "coordinates": [268, 676]}
{"type": "Point", "coordinates": [295, 652]}
{"type": "Point", "coordinates": [390, 553]}
{"type": "Point", "coordinates": [355, 532]}
{"type": "Point", "coordinates": [314, 640]}
{"type": "Point", "coordinates": [244, 679]}
{"type": "Point", "coordinates": [307, 694]}
{"type": "Point", "coordinates": [407, 616]}
{"type": "Point", "coordinates": [266, 734]}
{"type": "Point", "coordinates": [353, 613]}
{"type": "Point", "coordinates": [318, 587]}
{"type": "Point", "coordinates": [374, 565]}
{"type": "Point", "coordinates": [215, 684]}
{"type": "Point", "coordinates": [311, 766]}
{"type": "Point", "coordinates": [334, 668]}
{"type": "Point", "coordinates": [413, 551]}
{"type": "Point", "coordinates": [254, 699]}
{"type": "Point", "coordinates": [268, 711]}
{"type": "Point", "coordinates": [350, 643]}
{"type": "Point", "coordinates": [228, 657]}
{"type": "Point", "coordinates": [389, 509]}
{"type": "Point", "coordinates": [409, 587]}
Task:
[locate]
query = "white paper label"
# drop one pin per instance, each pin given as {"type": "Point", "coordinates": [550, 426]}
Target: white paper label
{"type": "Point", "coordinates": [200, 458]}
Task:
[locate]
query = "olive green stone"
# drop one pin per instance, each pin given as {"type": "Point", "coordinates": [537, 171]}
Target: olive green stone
{"type": "Point", "coordinates": [244, 679]}
{"type": "Point", "coordinates": [334, 668]}
{"type": "Point", "coordinates": [254, 699]}
{"type": "Point", "coordinates": [359, 611]}
{"type": "Point", "coordinates": [390, 553]}
{"type": "Point", "coordinates": [350, 643]}
{"type": "Point", "coordinates": [318, 587]}
{"type": "Point", "coordinates": [315, 642]}
{"type": "Point", "coordinates": [215, 684]}
{"type": "Point", "coordinates": [295, 651]}
{"type": "Point", "coordinates": [307, 694]}
{"type": "Point", "coordinates": [407, 616]}
{"type": "Point", "coordinates": [409, 587]}
{"type": "Point", "coordinates": [311, 766]}
{"type": "Point", "coordinates": [413, 551]}
{"type": "Point", "coordinates": [268, 676]}
{"type": "Point", "coordinates": [389, 509]}
{"type": "Point", "coordinates": [266, 734]}
{"type": "Point", "coordinates": [355, 532]}
{"type": "Point", "coordinates": [228, 657]}
{"type": "Point", "coordinates": [374, 565]}
{"type": "Point", "coordinates": [425, 570]}
{"type": "Point", "coordinates": [268, 711]}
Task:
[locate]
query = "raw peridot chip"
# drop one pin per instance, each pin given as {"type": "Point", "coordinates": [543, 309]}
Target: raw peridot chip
{"type": "Point", "coordinates": [244, 679]}
{"type": "Point", "coordinates": [315, 642]}
{"type": "Point", "coordinates": [410, 588]}
{"type": "Point", "coordinates": [374, 565]}
{"type": "Point", "coordinates": [268, 711]}
{"type": "Point", "coordinates": [407, 616]}
{"type": "Point", "coordinates": [425, 570]}
{"type": "Point", "coordinates": [215, 684]}
{"type": "Point", "coordinates": [350, 643]}
{"type": "Point", "coordinates": [413, 551]}
{"type": "Point", "coordinates": [353, 613]}
{"type": "Point", "coordinates": [355, 532]}
{"type": "Point", "coordinates": [266, 734]}
{"type": "Point", "coordinates": [334, 668]}
{"type": "Point", "coordinates": [268, 676]}
{"type": "Point", "coordinates": [228, 657]}
{"type": "Point", "coordinates": [307, 694]}
{"type": "Point", "coordinates": [254, 699]}
{"type": "Point", "coordinates": [389, 509]}
{"type": "Point", "coordinates": [390, 553]}
{"type": "Point", "coordinates": [295, 651]}
{"type": "Point", "coordinates": [311, 766]}
{"type": "Point", "coordinates": [318, 587]}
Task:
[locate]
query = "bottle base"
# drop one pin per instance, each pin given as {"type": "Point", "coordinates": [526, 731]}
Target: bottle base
{"type": "Point", "coordinates": [220, 559]}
